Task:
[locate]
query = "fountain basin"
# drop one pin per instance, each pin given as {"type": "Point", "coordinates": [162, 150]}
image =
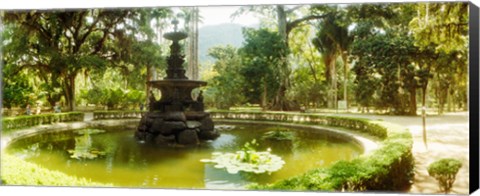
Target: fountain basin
{"type": "Point", "coordinates": [175, 36]}
{"type": "Point", "coordinates": [129, 163]}
{"type": "Point", "coordinates": [176, 89]}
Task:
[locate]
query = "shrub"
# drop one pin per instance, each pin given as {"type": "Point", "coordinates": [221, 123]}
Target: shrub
{"type": "Point", "coordinates": [445, 171]}
{"type": "Point", "coordinates": [16, 171]}
{"type": "Point", "coordinates": [389, 168]}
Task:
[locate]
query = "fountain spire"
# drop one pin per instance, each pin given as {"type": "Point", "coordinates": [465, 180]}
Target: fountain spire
{"type": "Point", "coordinates": [175, 61]}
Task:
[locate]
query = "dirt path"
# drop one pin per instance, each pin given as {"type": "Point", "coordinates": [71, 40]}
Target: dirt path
{"type": "Point", "coordinates": [447, 137]}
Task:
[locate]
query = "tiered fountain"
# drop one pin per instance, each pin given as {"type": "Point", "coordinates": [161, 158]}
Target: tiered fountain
{"type": "Point", "coordinates": [176, 118]}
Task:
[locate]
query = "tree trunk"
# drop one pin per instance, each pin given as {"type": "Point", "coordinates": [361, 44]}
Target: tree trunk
{"type": "Point", "coordinates": [189, 69]}
{"type": "Point", "coordinates": [450, 105]}
{"type": "Point", "coordinates": [282, 22]}
{"type": "Point", "coordinates": [195, 48]}
{"type": "Point", "coordinates": [424, 115]}
{"type": "Point", "coordinates": [70, 91]}
{"type": "Point", "coordinates": [280, 103]}
{"type": "Point", "coordinates": [192, 69]}
{"type": "Point", "coordinates": [413, 101]}
{"type": "Point", "coordinates": [333, 74]}
{"type": "Point", "coordinates": [345, 79]}
{"type": "Point", "coordinates": [264, 95]}
{"type": "Point", "coordinates": [147, 85]}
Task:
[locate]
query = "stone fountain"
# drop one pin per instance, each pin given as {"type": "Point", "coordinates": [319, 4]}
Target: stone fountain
{"type": "Point", "coordinates": [176, 118]}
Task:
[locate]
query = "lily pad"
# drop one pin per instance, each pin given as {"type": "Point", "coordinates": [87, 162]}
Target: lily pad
{"type": "Point", "coordinates": [234, 162]}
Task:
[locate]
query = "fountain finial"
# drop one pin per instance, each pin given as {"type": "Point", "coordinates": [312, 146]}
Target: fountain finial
{"type": "Point", "coordinates": [176, 35]}
{"type": "Point", "coordinates": [175, 25]}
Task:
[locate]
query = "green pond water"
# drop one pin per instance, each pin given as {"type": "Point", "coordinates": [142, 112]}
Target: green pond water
{"type": "Point", "coordinates": [125, 162]}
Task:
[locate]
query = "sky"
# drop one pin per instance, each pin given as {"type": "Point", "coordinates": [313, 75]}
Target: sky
{"type": "Point", "coordinates": [222, 14]}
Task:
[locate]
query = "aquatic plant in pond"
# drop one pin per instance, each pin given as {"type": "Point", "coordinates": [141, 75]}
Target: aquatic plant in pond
{"type": "Point", "coordinates": [247, 160]}
{"type": "Point", "coordinates": [279, 134]}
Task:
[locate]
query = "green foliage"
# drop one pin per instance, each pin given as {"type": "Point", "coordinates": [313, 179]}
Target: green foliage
{"type": "Point", "coordinates": [386, 60]}
{"type": "Point", "coordinates": [224, 90]}
{"type": "Point", "coordinates": [308, 85]}
{"type": "Point", "coordinates": [134, 97]}
{"type": "Point", "coordinates": [441, 29]}
{"type": "Point", "coordinates": [249, 151]}
{"type": "Point", "coordinates": [60, 44]}
{"type": "Point", "coordinates": [333, 41]}
{"type": "Point", "coordinates": [445, 171]}
{"type": "Point", "coordinates": [442, 25]}
{"type": "Point", "coordinates": [262, 55]}
{"type": "Point", "coordinates": [16, 171]}
{"type": "Point", "coordinates": [92, 96]}
{"type": "Point", "coordinates": [16, 90]}
{"type": "Point", "coordinates": [113, 97]}
{"type": "Point", "coordinates": [306, 90]}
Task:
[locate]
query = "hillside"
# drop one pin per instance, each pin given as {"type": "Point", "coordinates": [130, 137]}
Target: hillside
{"type": "Point", "coordinates": [223, 34]}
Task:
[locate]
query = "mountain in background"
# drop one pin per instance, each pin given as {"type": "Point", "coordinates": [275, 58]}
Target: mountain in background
{"type": "Point", "coordinates": [214, 35]}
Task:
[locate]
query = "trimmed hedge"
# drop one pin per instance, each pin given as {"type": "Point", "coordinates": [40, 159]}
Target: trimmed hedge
{"type": "Point", "coordinates": [101, 115]}
{"type": "Point", "coordinates": [11, 123]}
{"type": "Point", "coordinates": [389, 168]}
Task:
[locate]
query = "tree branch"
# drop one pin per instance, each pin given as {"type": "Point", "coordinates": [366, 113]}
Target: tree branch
{"type": "Point", "coordinates": [89, 31]}
{"type": "Point", "coordinates": [295, 23]}
{"type": "Point", "coordinates": [288, 11]}
{"type": "Point", "coordinates": [100, 43]}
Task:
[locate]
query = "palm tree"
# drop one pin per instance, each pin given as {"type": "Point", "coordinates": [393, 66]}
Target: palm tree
{"type": "Point", "coordinates": [192, 18]}
{"type": "Point", "coordinates": [333, 41]}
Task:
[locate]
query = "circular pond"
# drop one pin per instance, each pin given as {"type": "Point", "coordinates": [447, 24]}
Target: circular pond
{"type": "Point", "coordinates": [112, 155]}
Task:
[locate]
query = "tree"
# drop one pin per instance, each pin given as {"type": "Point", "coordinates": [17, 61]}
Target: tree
{"type": "Point", "coordinates": [333, 41]}
{"type": "Point", "coordinates": [308, 82]}
{"type": "Point", "coordinates": [61, 44]}
{"type": "Point", "coordinates": [261, 54]}
{"type": "Point", "coordinates": [192, 17]}
{"type": "Point", "coordinates": [226, 87]}
{"type": "Point", "coordinates": [16, 90]}
{"type": "Point", "coordinates": [443, 28]}
{"type": "Point", "coordinates": [286, 20]}
{"type": "Point", "coordinates": [387, 57]}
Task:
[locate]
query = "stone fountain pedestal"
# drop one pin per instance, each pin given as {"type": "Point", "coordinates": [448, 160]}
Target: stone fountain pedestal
{"type": "Point", "coordinates": [176, 118]}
